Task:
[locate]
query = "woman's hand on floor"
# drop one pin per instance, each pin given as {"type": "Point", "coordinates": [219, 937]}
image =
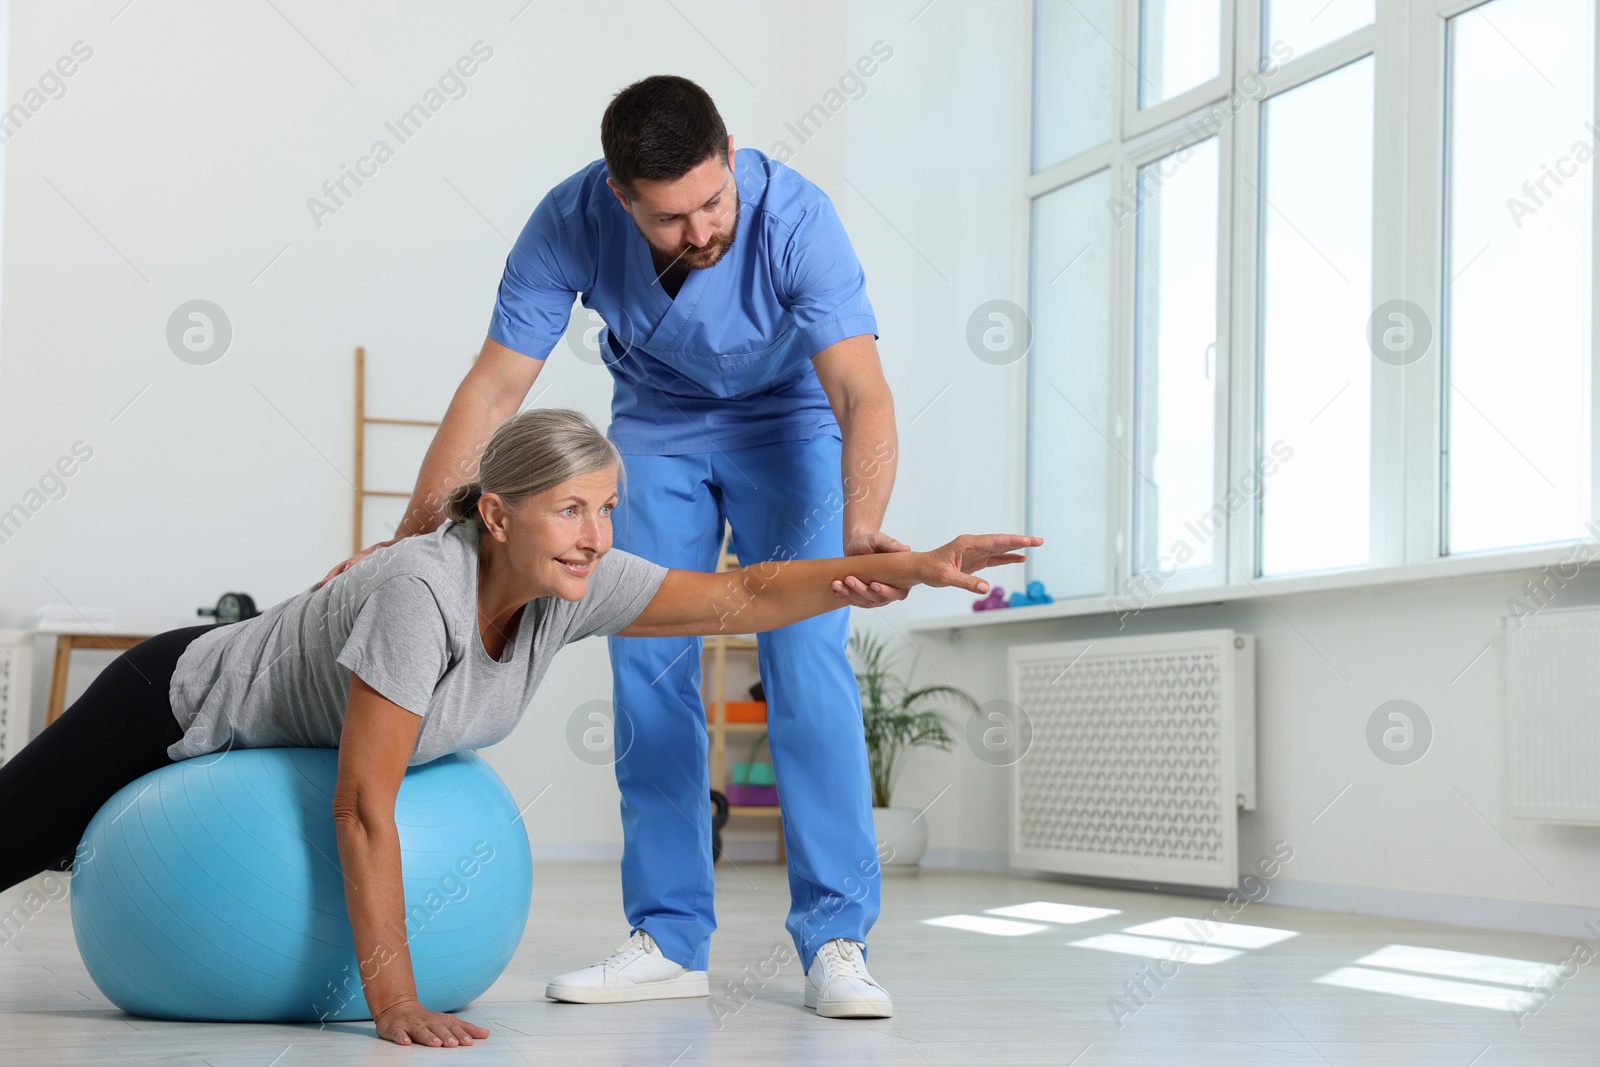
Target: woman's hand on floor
{"type": "Point", "coordinates": [412, 1024]}
{"type": "Point", "coordinates": [955, 563]}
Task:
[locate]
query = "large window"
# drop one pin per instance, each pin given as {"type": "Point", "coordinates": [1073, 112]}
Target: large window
{"type": "Point", "coordinates": [1073, 54]}
{"type": "Point", "coordinates": [1315, 370]}
{"type": "Point", "coordinates": [1179, 47]}
{"type": "Point", "coordinates": [1069, 409]}
{"type": "Point", "coordinates": [1305, 25]}
{"type": "Point", "coordinates": [1520, 274]}
{"type": "Point", "coordinates": [1175, 363]}
{"type": "Point", "coordinates": [1334, 309]}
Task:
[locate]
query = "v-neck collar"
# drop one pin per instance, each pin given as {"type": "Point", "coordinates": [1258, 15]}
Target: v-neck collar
{"type": "Point", "coordinates": [676, 312]}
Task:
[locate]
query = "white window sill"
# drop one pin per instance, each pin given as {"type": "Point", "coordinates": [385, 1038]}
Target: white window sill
{"type": "Point", "coordinates": [1562, 559]}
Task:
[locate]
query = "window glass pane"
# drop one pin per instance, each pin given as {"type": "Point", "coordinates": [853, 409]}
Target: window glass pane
{"type": "Point", "coordinates": [1180, 46]}
{"type": "Point", "coordinates": [1517, 326]}
{"type": "Point", "coordinates": [1304, 25]}
{"type": "Point", "coordinates": [1068, 428]}
{"type": "Point", "coordinates": [1175, 366]}
{"type": "Point", "coordinates": [1072, 72]}
{"type": "Point", "coordinates": [1316, 297]}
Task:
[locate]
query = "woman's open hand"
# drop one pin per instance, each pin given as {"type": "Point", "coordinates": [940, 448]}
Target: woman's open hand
{"type": "Point", "coordinates": [955, 563]}
{"type": "Point", "coordinates": [409, 1023]}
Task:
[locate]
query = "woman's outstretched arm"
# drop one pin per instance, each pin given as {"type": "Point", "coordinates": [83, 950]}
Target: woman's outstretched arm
{"type": "Point", "coordinates": [765, 596]}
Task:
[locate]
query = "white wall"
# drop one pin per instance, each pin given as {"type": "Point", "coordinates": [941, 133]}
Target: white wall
{"type": "Point", "coordinates": [937, 156]}
{"type": "Point", "coordinates": [178, 164]}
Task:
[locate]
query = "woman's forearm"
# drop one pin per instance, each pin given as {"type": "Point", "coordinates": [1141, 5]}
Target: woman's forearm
{"type": "Point", "coordinates": [765, 596]}
{"type": "Point", "coordinates": [369, 853]}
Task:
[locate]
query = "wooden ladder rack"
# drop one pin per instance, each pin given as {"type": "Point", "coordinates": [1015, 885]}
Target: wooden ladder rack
{"type": "Point", "coordinates": [363, 420]}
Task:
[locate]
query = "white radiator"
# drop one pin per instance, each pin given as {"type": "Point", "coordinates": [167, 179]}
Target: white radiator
{"type": "Point", "coordinates": [1553, 715]}
{"type": "Point", "coordinates": [1142, 755]}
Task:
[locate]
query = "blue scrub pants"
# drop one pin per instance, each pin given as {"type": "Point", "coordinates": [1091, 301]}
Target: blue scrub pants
{"type": "Point", "coordinates": [784, 502]}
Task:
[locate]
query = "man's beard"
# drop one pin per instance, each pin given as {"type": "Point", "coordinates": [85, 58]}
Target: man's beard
{"type": "Point", "coordinates": [691, 258]}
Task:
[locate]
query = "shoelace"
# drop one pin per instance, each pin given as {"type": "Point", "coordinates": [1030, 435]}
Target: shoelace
{"type": "Point", "coordinates": [844, 961]}
{"type": "Point", "coordinates": [638, 944]}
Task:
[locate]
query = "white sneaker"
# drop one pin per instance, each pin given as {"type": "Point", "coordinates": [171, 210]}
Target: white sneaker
{"type": "Point", "coordinates": [636, 971]}
{"type": "Point", "coordinates": [839, 987]}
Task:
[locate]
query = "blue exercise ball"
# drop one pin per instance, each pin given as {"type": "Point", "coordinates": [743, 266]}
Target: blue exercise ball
{"type": "Point", "coordinates": [211, 889]}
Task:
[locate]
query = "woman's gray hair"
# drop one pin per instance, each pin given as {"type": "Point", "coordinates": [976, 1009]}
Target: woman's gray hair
{"type": "Point", "coordinates": [529, 453]}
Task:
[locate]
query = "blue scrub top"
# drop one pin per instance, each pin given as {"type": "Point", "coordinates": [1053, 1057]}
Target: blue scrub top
{"type": "Point", "coordinates": [727, 364]}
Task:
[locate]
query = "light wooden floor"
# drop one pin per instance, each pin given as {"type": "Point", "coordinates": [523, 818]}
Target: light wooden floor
{"type": "Point", "coordinates": [961, 997]}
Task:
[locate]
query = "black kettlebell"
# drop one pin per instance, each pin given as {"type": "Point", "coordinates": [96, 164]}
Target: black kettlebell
{"type": "Point", "coordinates": [719, 819]}
{"type": "Point", "coordinates": [231, 607]}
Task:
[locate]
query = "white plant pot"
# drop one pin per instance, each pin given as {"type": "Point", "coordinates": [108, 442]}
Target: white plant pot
{"type": "Point", "coordinates": [902, 839]}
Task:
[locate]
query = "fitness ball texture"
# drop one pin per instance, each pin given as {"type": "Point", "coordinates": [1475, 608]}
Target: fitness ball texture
{"type": "Point", "coordinates": [211, 889]}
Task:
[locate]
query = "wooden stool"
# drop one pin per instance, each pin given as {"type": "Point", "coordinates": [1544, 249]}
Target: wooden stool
{"type": "Point", "coordinates": [104, 638]}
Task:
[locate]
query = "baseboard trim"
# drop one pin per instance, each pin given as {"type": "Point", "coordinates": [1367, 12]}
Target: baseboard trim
{"type": "Point", "coordinates": [967, 859]}
{"type": "Point", "coordinates": [611, 851]}
{"type": "Point", "coordinates": [576, 851]}
{"type": "Point", "coordinates": [1560, 920]}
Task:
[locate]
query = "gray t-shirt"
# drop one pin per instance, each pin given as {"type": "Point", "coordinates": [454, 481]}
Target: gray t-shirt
{"type": "Point", "coordinates": [405, 619]}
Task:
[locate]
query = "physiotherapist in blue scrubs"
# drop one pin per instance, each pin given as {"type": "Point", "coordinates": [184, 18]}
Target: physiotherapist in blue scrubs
{"type": "Point", "coordinates": [747, 388]}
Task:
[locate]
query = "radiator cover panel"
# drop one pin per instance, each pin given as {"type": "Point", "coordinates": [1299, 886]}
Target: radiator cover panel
{"type": "Point", "coordinates": [1137, 747]}
{"type": "Point", "coordinates": [1553, 715]}
{"type": "Point", "coordinates": [16, 669]}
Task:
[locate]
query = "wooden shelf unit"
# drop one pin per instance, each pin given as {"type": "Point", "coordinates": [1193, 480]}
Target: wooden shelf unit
{"type": "Point", "coordinates": [718, 728]}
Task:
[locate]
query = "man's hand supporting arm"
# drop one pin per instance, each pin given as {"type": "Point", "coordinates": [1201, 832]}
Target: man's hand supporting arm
{"type": "Point", "coordinates": [852, 377]}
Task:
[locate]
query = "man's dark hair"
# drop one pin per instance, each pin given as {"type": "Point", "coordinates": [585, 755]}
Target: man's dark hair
{"type": "Point", "coordinates": [659, 129]}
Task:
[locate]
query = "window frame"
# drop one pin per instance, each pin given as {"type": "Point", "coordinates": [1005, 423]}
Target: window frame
{"type": "Point", "coordinates": [1435, 524]}
{"type": "Point", "coordinates": [1030, 405]}
{"type": "Point", "coordinates": [1157, 144]}
{"type": "Point", "coordinates": [1407, 41]}
{"type": "Point", "coordinates": [1136, 120]}
{"type": "Point", "coordinates": [1299, 71]}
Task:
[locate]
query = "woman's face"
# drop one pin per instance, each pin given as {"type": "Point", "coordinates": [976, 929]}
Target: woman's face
{"type": "Point", "coordinates": [554, 538]}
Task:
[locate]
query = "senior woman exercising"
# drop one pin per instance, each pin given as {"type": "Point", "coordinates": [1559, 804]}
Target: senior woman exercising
{"type": "Point", "coordinates": [432, 645]}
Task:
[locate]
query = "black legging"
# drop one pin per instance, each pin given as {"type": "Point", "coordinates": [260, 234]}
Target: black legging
{"type": "Point", "coordinates": [118, 730]}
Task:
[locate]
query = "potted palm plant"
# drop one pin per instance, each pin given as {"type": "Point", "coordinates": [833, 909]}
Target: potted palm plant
{"type": "Point", "coordinates": [896, 721]}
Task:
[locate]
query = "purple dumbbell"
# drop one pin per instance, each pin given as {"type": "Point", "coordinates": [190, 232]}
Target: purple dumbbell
{"type": "Point", "coordinates": [995, 600]}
